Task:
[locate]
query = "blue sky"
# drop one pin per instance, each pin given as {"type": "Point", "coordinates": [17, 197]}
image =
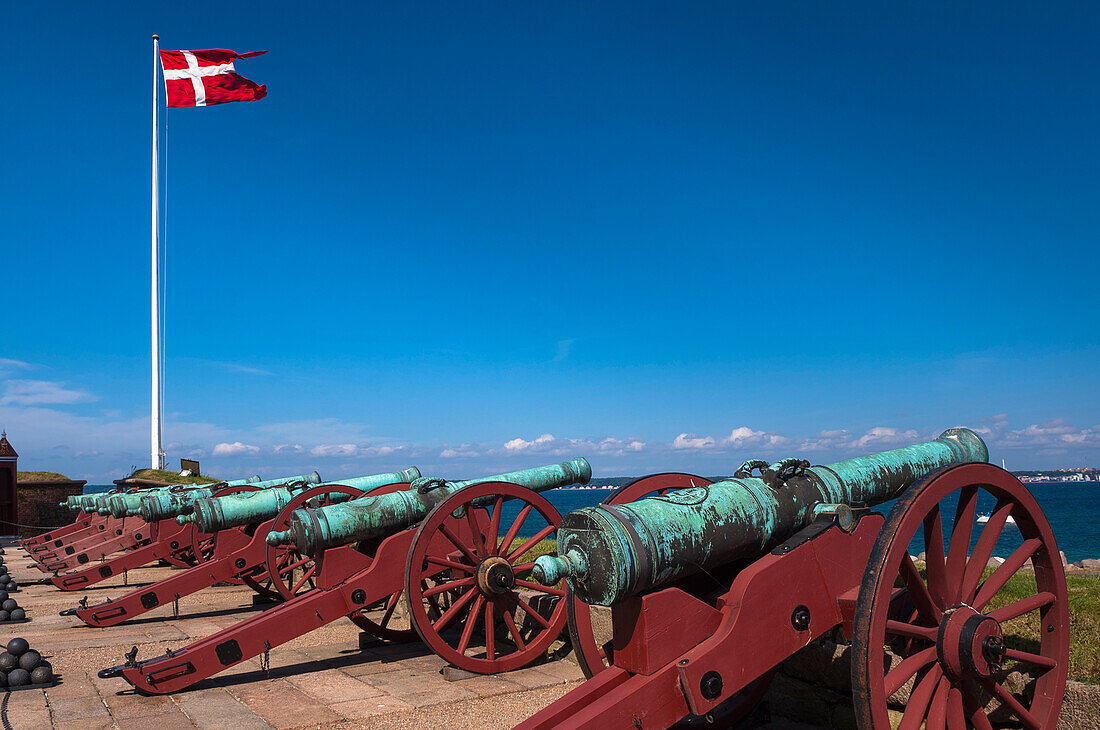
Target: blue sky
{"type": "Point", "coordinates": [482, 236]}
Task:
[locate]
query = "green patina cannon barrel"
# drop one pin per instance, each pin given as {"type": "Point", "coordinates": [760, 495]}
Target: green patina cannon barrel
{"type": "Point", "coordinates": [249, 508]}
{"type": "Point", "coordinates": [127, 504]}
{"type": "Point", "coordinates": [314, 530]}
{"type": "Point", "coordinates": [167, 505]}
{"type": "Point", "coordinates": [611, 553]}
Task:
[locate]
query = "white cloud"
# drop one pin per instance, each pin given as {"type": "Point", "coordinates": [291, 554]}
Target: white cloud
{"type": "Point", "coordinates": [235, 449]}
{"type": "Point", "coordinates": [327, 450]}
{"type": "Point", "coordinates": [11, 366]}
{"type": "Point", "coordinates": [464, 451]}
{"type": "Point", "coordinates": [288, 449]}
{"type": "Point", "coordinates": [881, 437]}
{"type": "Point", "coordinates": [542, 444]}
{"type": "Point", "coordinates": [41, 392]}
{"type": "Point", "coordinates": [693, 442]}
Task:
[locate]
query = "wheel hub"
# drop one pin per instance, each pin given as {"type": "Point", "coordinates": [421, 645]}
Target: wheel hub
{"type": "Point", "coordinates": [495, 576]}
{"type": "Point", "coordinates": [969, 643]}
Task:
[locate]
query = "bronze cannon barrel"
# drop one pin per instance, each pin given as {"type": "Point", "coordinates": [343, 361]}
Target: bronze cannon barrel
{"type": "Point", "coordinates": [611, 553]}
{"type": "Point", "coordinates": [249, 508]}
{"type": "Point", "coordinates": [314, 530]}
{"type": "Point", "coordinates": [155, 507]}
{"type": "Point", "coordinates": [127, 504]}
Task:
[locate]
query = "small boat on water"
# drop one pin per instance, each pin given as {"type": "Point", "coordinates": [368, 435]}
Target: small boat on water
{"type": "Point", "coordinates": [984, 518]}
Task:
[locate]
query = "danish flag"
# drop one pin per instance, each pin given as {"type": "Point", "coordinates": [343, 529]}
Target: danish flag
{"type": "Point", "coordinates": [203, 78]}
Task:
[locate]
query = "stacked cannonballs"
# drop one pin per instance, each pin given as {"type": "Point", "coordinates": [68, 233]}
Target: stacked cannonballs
{"type": "Point", "coordinates": [6, 581]}
{"type": "Point", "coordinates": [9, 609]}
{"type": "Point", "coordinates": [21, 665]}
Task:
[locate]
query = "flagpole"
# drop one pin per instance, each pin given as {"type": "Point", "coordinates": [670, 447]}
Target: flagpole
{"type": "Point", "coordinates": [157, 453]}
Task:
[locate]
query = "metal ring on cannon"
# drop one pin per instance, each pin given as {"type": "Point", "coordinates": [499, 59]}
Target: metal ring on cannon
{"type": "Point", "coordinates": [203, 544]}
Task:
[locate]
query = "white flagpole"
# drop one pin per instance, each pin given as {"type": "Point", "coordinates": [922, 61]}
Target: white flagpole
{"type": "Point", "coordinates": [154, 292]}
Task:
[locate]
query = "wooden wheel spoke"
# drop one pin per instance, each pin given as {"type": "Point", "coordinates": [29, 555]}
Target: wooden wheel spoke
{"type": "Point", "coordinates": [494, 526]}
{"type": "Point", "coordinates": [975, 710]}
{"type": "Point", "coordinates": [914, 632]}
{"type": "Point", "coordinates": [1009, 701]}
{"type": "Point", "coordinates": [1035, 660]}
{"type": "Point", "coordinates": [452, 585]}
{"type": "Point", "coordinates": [490, 627]}
{"type": "Point", "coordinates": [535, 615]}
{"type": "Point", "coordinates": [937, 709]}
{"type": "Point", "coordinates": [471, 621]}
{"type": "Point", "coordinates": [541, 588]}
{"type": "Point", "coordinates": [453, 565]}
{"type": "Point", "coordinates": [539, 537]}
{"type": "Point", "coordinates": [935, 562]}
{"type": "Point", "coordinates": [896, 678]}
{"type": "Point", "coordinates": [1019, 608]}
{"type": "Point", "coordinates": [292, 566]}
{"type": "Point", "coordinates": [514, 529]}
{"type": "Point", "coordinates": [475, 533]}
{"type": "Point", "coordinates": [464, 549]}
{"type": "Point", "coordinates": [918, 592]}
{"type": "Point", "coordinates": [917, 707]}
{"type": "Point", "coordinates": [390, 606]}
{"type": "Point", "coordinates": [956, 714]}
{"type": "Point", "coordinates": [513, 630]}
{"type": "Point", "coordinates": [983, 550]}
{"type": "Point", "coordinates": [449, 615]}
{"type": "Point", "coordinates": [959, 547]}
{"type": "Point", "coordinates": [305, 577]}
{"type": "Point", "coordinates": [1004, 571]}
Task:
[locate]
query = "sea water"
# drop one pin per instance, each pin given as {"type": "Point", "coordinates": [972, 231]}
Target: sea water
{"type": "Point", "coordinates": [1072, 508]}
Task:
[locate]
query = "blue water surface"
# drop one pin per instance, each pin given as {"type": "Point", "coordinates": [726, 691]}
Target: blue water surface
{"type": "Point", "coordinates": [1072, 508]}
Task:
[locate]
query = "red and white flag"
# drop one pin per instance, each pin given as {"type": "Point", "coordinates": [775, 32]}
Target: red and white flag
{"type": "Point", "coordinates": [203, 78]}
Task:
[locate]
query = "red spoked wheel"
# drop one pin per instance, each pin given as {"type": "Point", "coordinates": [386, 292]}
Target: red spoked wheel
{"type": "Point", "coordinates": [971, 645]}
{"type": "Point", "coordinates": [389, 618]}
{"type": "Point", "coordinates": [478, 582]}
{"type": "Point", "coordinates": [591, 654]}
{"type": "Point", "coordinates": [289, 572]}
{"type": "Point", "coordinates": [203, 545]}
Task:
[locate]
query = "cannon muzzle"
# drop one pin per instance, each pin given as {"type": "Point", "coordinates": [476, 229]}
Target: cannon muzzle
{"type": "Point", "coordinates": [169, 503]}
{"type": "Point", "coordinates": [609, 553]}
{"type": "Point", "coordinates": [314, 530]}
{"type": "Point", "coordinates": [211, 514]}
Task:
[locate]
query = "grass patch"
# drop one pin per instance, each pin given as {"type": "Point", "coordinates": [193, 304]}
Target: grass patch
{"type": "Point", "coordinates": [1084, 620]}
{"type": "Point", "coordinates": [40, 476]}
{"type": "Point", "coordinates": [170, 477]}
{"type": "Point", "coordinates": [1023, 633]}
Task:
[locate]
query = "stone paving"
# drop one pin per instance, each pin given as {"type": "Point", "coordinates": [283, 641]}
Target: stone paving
{"type": "Point", "coordinates": [319, 679]}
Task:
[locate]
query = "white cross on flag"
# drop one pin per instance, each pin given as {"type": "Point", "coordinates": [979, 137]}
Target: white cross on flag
{"type": "Point", "coordinates": [203, 78]}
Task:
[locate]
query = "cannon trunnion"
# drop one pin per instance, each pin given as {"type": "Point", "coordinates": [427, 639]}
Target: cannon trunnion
{"type": "Point", "coordinates": [697, 638]}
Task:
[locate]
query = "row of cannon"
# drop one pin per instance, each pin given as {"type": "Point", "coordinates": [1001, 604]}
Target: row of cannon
{"type": "Point", "coordinates": [711, 584]}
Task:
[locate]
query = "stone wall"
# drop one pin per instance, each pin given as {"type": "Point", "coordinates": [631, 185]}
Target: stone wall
{"type": "Point", "coordinates": [38, 505]}
{"type": "Point", "coordinates": [814, 687]}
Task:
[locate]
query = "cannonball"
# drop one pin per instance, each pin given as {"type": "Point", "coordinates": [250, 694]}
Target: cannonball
{"type": "Point", "coordinates": [18, 646]}
{"type": "Point", "coordinates": [8, 662]}
{"type": "Point", "coordinates": [46, 663]}
{"type": "Point", "coordinates": [18, 677]}
{"type": "Point", "coordinates": [4, 615]}
{"type": "Point", "coordinates": [30, 660]}
{"type": "Point", "coordinates": [3, 596]}
{"type": "Point", "coordinates": [12, 585]}
{"type": "Point", "coordinates": [17, 615]}
{"type": "Point", "coordinates": [3, 568]}
{"type": "Point", "coordinates": [9, 605]}
{"type": "Point", "coordinates": [42, 675]}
